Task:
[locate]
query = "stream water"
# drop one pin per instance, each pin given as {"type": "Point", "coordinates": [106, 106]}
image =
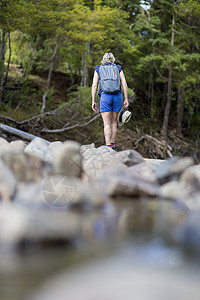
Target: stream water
{"type": "Point", "coordinates": [132, 249]}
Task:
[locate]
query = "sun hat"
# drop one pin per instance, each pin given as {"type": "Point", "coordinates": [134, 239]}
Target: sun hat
{"type": "Point", "coordinates": [123, 116]}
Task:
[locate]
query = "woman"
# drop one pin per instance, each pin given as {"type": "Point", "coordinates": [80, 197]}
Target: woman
{"type": "Point", "coordinates": [110, 103]}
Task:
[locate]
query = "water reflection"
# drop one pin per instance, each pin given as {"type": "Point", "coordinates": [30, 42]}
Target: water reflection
{"type": "Point", "coordinates": [144, 234]}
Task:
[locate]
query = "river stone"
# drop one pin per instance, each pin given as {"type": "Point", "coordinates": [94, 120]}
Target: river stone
{"type": "Point", "coordinates": [18, 145]}
{"type": "Point", "coordinates": [4, 146]}
{"type": "Point", "coordinates": [67, 160]}
{"type": "Point", "coordinates": [8, 182]}
{"type": "Point", "coordinates": [86, 147]}
{"type": "Point", "coordinates": [59, 192]}
{"type": "Point", "coordinates": [26, 167]}
{"type": "Point", "coordinates": [117, 181]}
{"type": "Point", "coordinates": [39, 148]}
{"type": "Point", "coordinates": [190, 178]}
{"type": "Point", "coordinates": [172, 168]}
{"type": "Point", "coordinates": [55, 145]}
{"type": "Point", "coordinates": [128, 157]}
{"type": "Point", "coordinates": [20, 224]}
{"type": "Point", "coordinates": [90, 151]}
{"type": "Point", "coordinates": [96, 164]}
{"type": "Point", "coordinates": [173, 190]}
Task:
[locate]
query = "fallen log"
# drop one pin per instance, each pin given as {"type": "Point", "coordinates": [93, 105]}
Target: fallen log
{"type": "Point", "coordinates": [20, 133]}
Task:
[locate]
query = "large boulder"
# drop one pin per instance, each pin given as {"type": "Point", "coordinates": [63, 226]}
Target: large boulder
{"type": "Point", "coordinates": [67, 160]}
{"type": "Point", "coordinates": [8, 182]}
{"type": "Point", "coordinates": [39, 148]}
{"type": "Point", "coordinates": [26, 167]}
{"type": "Point", "coordinates": [59, 192]}
{"type": "Point", "coordinates": [190, 178]}
{"type": "Point", "coordinates": [172, 168]}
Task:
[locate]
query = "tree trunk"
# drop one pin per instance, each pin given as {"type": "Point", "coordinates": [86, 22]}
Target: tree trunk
{"type": "Point", "coordinates": [180, 110]}
{"type": "Point", "coordinates": [8, 64]}
{"type": "Point", "coordinates": [49, 77]}
{"type": "Point", "coordinates": [84, 79]}
{"type": "Point", "coordinates": [2, 61]}
{"type": "Point", "coordinates": [169, 89]}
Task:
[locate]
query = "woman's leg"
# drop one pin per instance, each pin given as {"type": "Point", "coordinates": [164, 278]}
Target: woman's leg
{"type": "Point", "coordinates": [107, 121]}
{"type": "Point", "coordinates": [114, 126]}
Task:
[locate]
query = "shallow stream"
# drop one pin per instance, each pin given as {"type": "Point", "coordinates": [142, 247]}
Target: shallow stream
{"type": "Point", "coordinates": [132, 249]}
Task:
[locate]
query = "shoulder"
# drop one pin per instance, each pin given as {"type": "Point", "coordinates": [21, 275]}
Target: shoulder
{"type": "Point", "coordinates": [119, 68]}
{"type": "Point", "coordinates": [97, 69]}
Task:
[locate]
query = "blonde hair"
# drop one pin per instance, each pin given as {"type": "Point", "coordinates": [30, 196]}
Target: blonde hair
{"type": "Point", "coordinates": [108, 57]}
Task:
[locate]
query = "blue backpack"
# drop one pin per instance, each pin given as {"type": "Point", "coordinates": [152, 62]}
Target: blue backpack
{"type": "Point", "coordinates": [109, 79]}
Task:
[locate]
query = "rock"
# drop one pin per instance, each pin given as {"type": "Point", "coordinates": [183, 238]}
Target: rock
{"type": "Point", "coordinates": [67, 160]}
{"type": "Point", "coordinates": [55, 145]}
{"type": "Point", "coordinates": [128, 157]}
{"type": "Point", "coordinates": [19, 224]}
{"type": "Point", "coordinates": [146, 169]}
{"type": "Point", "coordinates": [172, 168]}
{"type": "Point", "coordinates": [86, 147]}
{"type": "Point", "coordinates": [116, 182]}
{"type": "Point", "coordinates": [26, 167]}
{"type": "Point", "coordinates": [4, 146]}
{"type": "Point", "coordinates": [190, 178]}
{"type": "Point", "coordinates": [18, 145]}
{"type": "Point", "coordinates": [8, 182]}
{"type": "Point", "coordinates": [89, 151]}
{"type": "Point", "coordinates": [39, 148]}
{"type": "Point", "coordinates": [173, 190]}
{"type": "Point", "coordinates": [59, 192]}
{"type": "Point", "coordinates": [97, 163]}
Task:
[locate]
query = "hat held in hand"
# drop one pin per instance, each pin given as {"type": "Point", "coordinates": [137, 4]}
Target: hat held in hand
{"type": "Point", "coordinates": [123, 116]}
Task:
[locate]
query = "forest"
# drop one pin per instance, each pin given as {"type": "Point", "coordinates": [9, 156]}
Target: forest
{"type": "Point", "coordinates": [48, 53]}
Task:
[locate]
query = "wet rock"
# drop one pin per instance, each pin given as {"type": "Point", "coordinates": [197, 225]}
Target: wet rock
{"type": "Point", "coordinates": [19, 224]}
{"type": "Point", "coordinates": [8, 182]}
{"type": "Point", "coordinates": [190, 178]}
{"type": "Point", "coordinates": [26, 167]}
{"type": "Point", "coordinates": [67, 160]}
{"type": "Point", "coordinates": [172, 168]}
{"type": "Point", "coordinates": [39, 148]}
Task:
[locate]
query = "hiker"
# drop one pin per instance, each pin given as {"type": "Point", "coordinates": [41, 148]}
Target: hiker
{"type": "Point", "coordinates": [110, 78]}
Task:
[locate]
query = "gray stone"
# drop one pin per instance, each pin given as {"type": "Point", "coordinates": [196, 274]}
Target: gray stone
{"type": "Point", "coordinates": [129, 157]}
{"type": "Point", "coordinates": [4, 146]}
{"type": "Point", "coordinates": [67, 160]}
{"type": "Point", "coordinates": [39, 148]}
{"type": "Point", "coordinates": [26, 167]}
{"type": "Point", "coordinates": [172, 168]}
{"type": "Point", "coordinates": [22, 223]}
{"type": "Point", "coordinates": [18, 145]}
{"type": "Point", "coordinates": [97, 163]}
{"type": "Point", "coordinates": [117, 181]}
{"type": "Point", "coordinates": [55, 145]}
{"type": "Point", "coordinates": [173, 190]}
{"type": "Point", "coordinates": [8, 182]}
{"type": "Point", "coordinates": [59, 192]}
{"type": "Point", "coordinates": [190, 178]}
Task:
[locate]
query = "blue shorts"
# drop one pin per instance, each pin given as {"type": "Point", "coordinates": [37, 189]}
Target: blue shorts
{"type": "Point", "coordinates": [111, 102]}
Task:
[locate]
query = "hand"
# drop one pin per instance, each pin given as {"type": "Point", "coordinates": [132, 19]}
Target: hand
{"type": "Point", "coordinates": [126, 103]}
{"type": "Point", "coordinates": [94, 106]}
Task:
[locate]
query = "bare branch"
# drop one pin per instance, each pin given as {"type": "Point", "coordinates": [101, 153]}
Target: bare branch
{"type": "Point", "coordinates": [70, 127]}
